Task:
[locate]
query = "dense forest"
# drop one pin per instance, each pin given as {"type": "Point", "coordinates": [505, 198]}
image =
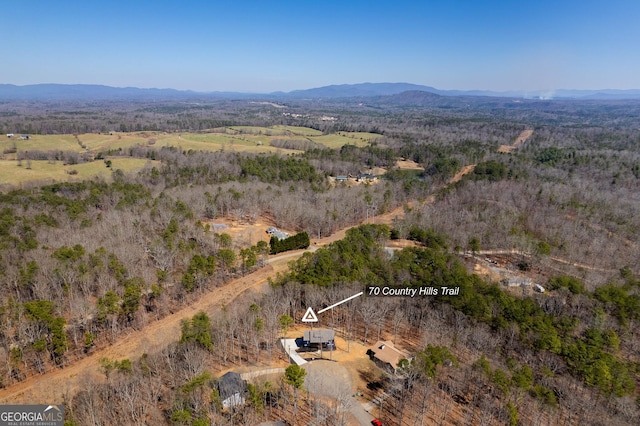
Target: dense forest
{"type": "Point", "coordinates": [84, 263]}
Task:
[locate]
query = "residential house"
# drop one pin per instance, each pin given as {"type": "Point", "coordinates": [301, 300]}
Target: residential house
{"type": "Point", "coordinates": [232, 389]}
{"type": "Point", "coordinates": [319, 336]}
{"type": "Point", "coordinates": [365, 177]}
{"type": "Point", "coordinates": [387, 356]}
{"type": "Point", "coordinates": [275, 232]}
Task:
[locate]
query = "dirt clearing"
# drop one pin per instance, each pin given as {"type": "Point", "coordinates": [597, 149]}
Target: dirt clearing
{"type": "Point", "coordinates": [522, 138]}
{"type": "Point", "coordinates": [408, 165]}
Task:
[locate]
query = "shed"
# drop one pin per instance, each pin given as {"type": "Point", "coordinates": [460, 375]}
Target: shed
{"type": "Point", "coordinates": [341, 178]}
{"type": "Point", "coordinates": [232, 389]}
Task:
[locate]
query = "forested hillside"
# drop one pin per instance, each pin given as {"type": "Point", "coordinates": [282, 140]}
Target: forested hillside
{"type": "Point", "coordinates": [84, 262]}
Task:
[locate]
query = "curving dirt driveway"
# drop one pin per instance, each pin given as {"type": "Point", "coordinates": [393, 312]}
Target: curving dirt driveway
{"type": "Point", "coordinates": [51, 387]}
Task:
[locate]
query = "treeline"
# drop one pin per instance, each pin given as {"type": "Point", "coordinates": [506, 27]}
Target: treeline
{"type": "Point", "coordinates": [67, 157]}
{"type": "Point", "coordinates": [80, 117]}
{"type": "Point", "coordinates": [299, 144]}
{"type": "Point", "coordinates": [299, 241]}
{"type": "Point", "coordinates": [198, 167]}
{"type": "Point", "coordinates": [370, 156]}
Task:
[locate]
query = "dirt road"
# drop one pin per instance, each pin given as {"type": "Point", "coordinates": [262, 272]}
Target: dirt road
{"type": "Point", "coordinates": [51, 387]}
{"type": "Point", "coordinates": [466, 169]}
{"type": "Point", "coordinates": [522, 138]}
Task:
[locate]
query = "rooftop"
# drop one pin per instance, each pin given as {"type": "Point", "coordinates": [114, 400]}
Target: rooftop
{"type": "Point", "coordinates": [387, 353]}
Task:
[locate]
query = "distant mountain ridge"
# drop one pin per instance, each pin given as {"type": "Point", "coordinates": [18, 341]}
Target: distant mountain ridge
{"type": "Point", "coordinates": [86, 92]}
{"type": "Point", "coordinates": [91, 92]}
{"type": "Point", "coordinates": [359, 90]}
{"type": "Point", "coordinates": [387, 89]}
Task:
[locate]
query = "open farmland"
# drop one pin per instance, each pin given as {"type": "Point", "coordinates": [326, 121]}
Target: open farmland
{"type": "Point", "coordinates": [337, 140]}
{"type": "Point", "coordinates": [238, 138]}
{"type": "Point", "coordinates": [40, 142]}
{"type": "Point", "coordinates": [272, 130]}
{"type": "Point", "coordinates": [254, 139]}
{"type": "Point", "coordinates": [361, 136]}
{"type": "Point", "coordinates": [45, 172]}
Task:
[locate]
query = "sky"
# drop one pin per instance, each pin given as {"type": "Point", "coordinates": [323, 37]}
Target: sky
{"type": "Point", "coordinates": [280, 45]}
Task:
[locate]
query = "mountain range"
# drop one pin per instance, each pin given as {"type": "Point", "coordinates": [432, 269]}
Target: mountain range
{"type": "Point", "coordinates": [88, 92]}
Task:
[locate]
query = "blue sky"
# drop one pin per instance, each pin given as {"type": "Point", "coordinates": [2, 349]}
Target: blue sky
{"type": "Point", "coordinates": [269, 45]}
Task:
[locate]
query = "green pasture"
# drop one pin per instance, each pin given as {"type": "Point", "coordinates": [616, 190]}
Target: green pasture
{"type": "Point", "coordinates": [234, 138]}
{"type": "Point", "coordinates": [278, 130]}
{"type": "Point", "coordinates": [218, 141]}
{"type": "Point", "coordinates": [237, 139]}
{"type": "Point", "coordinates": [45, 172]}
{"type": "Point", "coordinates": [362, 136]}
{"type": "Point", "coordinates": [298, 131]}
{"type": "Point", "coordinates": [337, 140]}
{"type": "Point", "coordinates": [41, 143]}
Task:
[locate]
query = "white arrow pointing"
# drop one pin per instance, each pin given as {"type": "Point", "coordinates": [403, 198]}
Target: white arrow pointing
{"type": "Point", "coordinates": [340, 303]}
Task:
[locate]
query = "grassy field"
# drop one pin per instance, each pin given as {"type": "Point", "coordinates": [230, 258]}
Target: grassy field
{"type": "Point", "coordinates": [338, 140]}
{"type": "Point", "coordinates": [273, 131]}
{"type": "Point", "coordinates": [41, 143]}
{"type": "Point", "coordinates": [361, 136]}
{"type": "Point", "coordinates": [236, 138]}
{"type": "Point", "coordinates": [240, 138]}
{"type": "Point", "coordinates": [299, 131]}
{"type": "Point", "coordinates": [46, 172]}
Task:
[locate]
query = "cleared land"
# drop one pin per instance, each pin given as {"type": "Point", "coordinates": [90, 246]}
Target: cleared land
{"type": "Point", "coordinates": [236, 139]}
{"type": "Point", "coordinates": [408, 165]}
{"type": "Point", "coordinates": [47, 172]}
{"type": "Point", "coordinates": [522, 138]}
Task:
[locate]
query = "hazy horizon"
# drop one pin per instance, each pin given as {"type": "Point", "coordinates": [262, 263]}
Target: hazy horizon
{"type": "Point", "coordinates": [268, 46]}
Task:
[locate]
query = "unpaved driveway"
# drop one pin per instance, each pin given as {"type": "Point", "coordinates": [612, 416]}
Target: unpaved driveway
{"type": "Point", "coordinates": [522, 138]}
